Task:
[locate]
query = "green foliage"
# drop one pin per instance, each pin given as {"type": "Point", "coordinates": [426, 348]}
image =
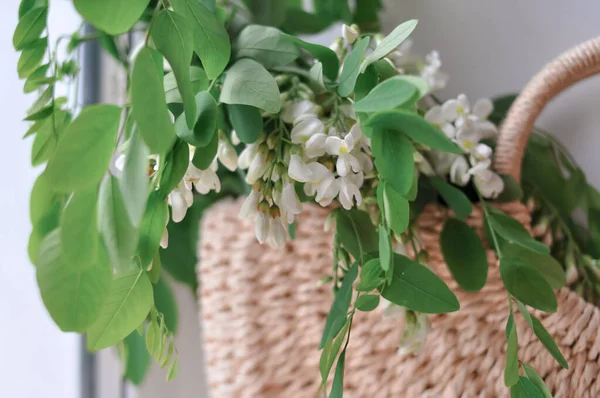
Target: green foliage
{"type": "Point", "coordinates": [511, 230]}
{"type": "Point", "coordinates": [134, 180]}
{"type": "Point", "coordinates": [152, 228]}
{"type": "Point", "coordinates": [164, 300]}
{"type": "Point", "coordinates": [454, 198]}
{"type": "Point", "coordinates": [536, 379]}
{"type": "Point", "coordinates": [328, 58]}
{"type": "Point", "coordinates": [211, 41]}
{"type": "Point", "coordinates": [356, 233]}
{"type": "Point", "coordinates": [128, 304]}
{"type": "Point", "coordinates": [246, 121]}
{"type": "Point", "coordinates": [205, 126]}
{"type": "Point", "coordinates": [395, 207]}
{"type": "Point", "coordinates": [79, 230]}
{"type": "Point", "coordinates": [367, 302]}
{"type": "Point", "coordinates": [198, 79]}
{"type": "Point", "coordinates": [390, 42]}
{"type": "Point", "coordinates": [524, 388]}
{"type": "Point", "coordinates": [416, 287]}
{"type": "Point", "coordinates": [511, 369]}
{"type": "Point", "coordinates": [138, 360]}
{"type": "Point", "coordinates": [527, 284]}
{"type": "Point", "coordinates": [266, 45]}
{"type": "Point", "coordinates": [351, 68]}
{"type": "Point", "coordinates": [249, 83]}
{"type": "Point", "coordinates": [30, 27]}
{"type": "Point", "coordinates": [370, 276]}
{"type": "Point", "coordinates": [390, 94]}
{"type": "Point", "coordinates": [174, 38]}
{"type": "Point", "coordinates": [393, 157]}
{"type": "Point", "coordinates": [149, 102]}
{"type": "Point", "coordinates": [112, 16]}
{"type": "Point", "coordinates": [464, 254]}
{"type": "Point", "coordinates": [88, 142]}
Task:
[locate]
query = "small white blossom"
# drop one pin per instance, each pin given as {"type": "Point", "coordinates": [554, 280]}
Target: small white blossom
{"type": "Point", "coordinates": [205, 180]}
{"type": "Point", "coordinates": [350, 33]}
{"type": "Point", "coordinates": [341, 148]}
{"type": "Point", "coordinates": [180, 199]}
{"type": "Point", "coordinates": [298, 170]}
{"type": "Point", "coordinates": [258, 167]}
{"type": "Point", "coordinates": [247, 155]}
{"type": "Point", "coordinates": [277, 237]}
{"type": "Point", "coordinates": [305, 127]}
{"type": "Point", "coordinates": [261, 227]}
{"type": "Point", "coordinates": [249, 210]}
{"type": "Point", "coordinates": [227, 155]}
{"type": "Point", "coordinates": [459, 172]}
{"type": "Point", "coordinates": [316, 145]}
{"type": "Point", "coordinates": [235, 140]}
{"type": "Point", "coordinates": [292, 110]}
{"type": "Point", "coordinates": [488, 183]}
{"type": "Point", "coordinates": [338, 47]}
{"type": "Point", "coordinates": [290, 202]}
{"type": "Point", "coordinates": [349, 187]}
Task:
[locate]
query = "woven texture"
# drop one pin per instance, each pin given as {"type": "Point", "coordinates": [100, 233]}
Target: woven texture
{"type": "Point", "coordinates": [263, 314]}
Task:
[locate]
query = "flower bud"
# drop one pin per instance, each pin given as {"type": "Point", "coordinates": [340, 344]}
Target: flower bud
{"type": "Point", "coordinates": [350, 33]}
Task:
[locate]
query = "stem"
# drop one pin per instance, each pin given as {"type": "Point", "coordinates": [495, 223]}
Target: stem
{"type": "Point", "coordinates": [487, 221]}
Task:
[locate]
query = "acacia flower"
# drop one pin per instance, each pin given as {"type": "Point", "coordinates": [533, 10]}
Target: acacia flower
{"type": "Point", "coordinates": [342, 148]}
{"type": "Point", "coordinates": [305, 127]}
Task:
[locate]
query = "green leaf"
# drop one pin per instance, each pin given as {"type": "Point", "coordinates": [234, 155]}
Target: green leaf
{"type": "Point", "coordinates": [173, 369]}
{"type": "Point", "coordinates": [198, 80]}
{"type": "Point", "coordinates": [536, 380]}
{"type": "Point", "coordinates": [206, 125]}
{"type": "Point", "coordinates": [337, 387]}
{"type": "Point", "coordinates": [334, 10]}
{"type": "Point", "coordinates": [464, 254]}
{"type": "Point", "coordinates": [204, 156]}
{"type": "Point", "coordinates": [524, 388]}
{"type": "Point", "coordinates": [396, 208]}
{"type": "Point", "coordinates": [367, 302]}
{"type": "Point", "coordinates": [149, 102]}
{"type": "Point", "coordinates": [37, 78]}
{"type": "Point", "coordinates": [174, 38]}
{"type": "Point", "coordinates": [454, 198]}
{"type": "Point", "coordinates": [138, 359]}
{"type": "Point", "coordinates": [26, 5]}
{"type": "Point", "coordinates": [551, 269]}
{"type": "Point", "coordinates": [246, 121]}
{"type": "Point", "coordinates": [211, 41]}
{"type": "Point", "coordinates": [112, 16]}
{"type": "Point", "coordinates": [84, 152]}
{"type": "Point", "coordinates": [370, 276]}
{"type": "Point", "coordinates": [268, 12]}
{"type": "Point", "coordinates": [73, 295]}
{"type": "Point", "coordinates": [329, 59]}
{"type": "Point", "coordinates": [177, 163]}
{"type": "Point", "coordinates": [393, 154]}
{"type": "Point", "coordinates": [417, 288]}
{"type": "Point", "coordinates": [134, 180]}
{"type": "Point", "coordinates": [384, 69]}
{"type": "Point", "coordinates": [511, 368]}
{"type": "Point", "coordinates": [331, 349]}
{"type": "Point", "coordinates": [153, 227]}
{"type": "Point", "coordinates": [356, 232]}
{"type": "Point", "coordinates": [42, 200]}
{"type": "Point", "coordinates": [298, 21]}
{"type": "Point", "coordinates": [119, 236]}
{"type": "Point", "coordinates": [351, 68]}
{"type": "Point", "coordinates": [32, 57]}
{"type": "Point", "coordinates": [501, 107]}
{"type": "Point", "coordinates": [418, 82]}
{"type": "Point", "coordinates": [389, 94]}
{"type": "Point", "coordinates": [365, 83]}
{"type": "Point", "coordinates": [385, 248]}
{"type": "Point", "coordinates": [415, 127]}
{"type": "Point", "coordinates": [266, 45]}
{"type": "Point", "coordinates": [154, 272]}
{"type": "Point", "coordinates": [79, 230]}
{"type": "Point", "coordinates": [249, 83]}
{"type": "Point", "coordinates": [341, 303]}
{"type": "Point", "coordinates": [510, 229]}
{"type": "Point", "coordinates": [164, 300]}
{"type": "Point", "coordinates": [548, 342]}
{"type": "Point", "coordinates": [527, 284]}
{"type": "Point", "coordinates": [129, 303]}
{"type": "Point", "coordinates": [390, 42]}
{"type": "Point", "coordinates": [30, 27]}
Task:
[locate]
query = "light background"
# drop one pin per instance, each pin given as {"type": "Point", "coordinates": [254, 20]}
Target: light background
{"type": "Point", "coordinates": [488, 48]}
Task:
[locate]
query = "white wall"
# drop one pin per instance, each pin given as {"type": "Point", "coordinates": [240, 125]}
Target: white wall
{"type": "Point", "coordinates": [38, 360]}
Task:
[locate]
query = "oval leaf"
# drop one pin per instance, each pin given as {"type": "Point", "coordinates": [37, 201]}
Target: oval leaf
{"type": "Point", "coordinates": [198, 80]}
{"type": "Point", "coordinates": [356, 233]}
{"type": "Point", "coordinates": [417, 288]}
{"type": "Point", "coordinates": [367, 302]}
{"type": "Point", "coordinates": [134, 180]}
{"type": "Point", "coordinates": [153, 228]}
{"type": "Point", "coordinates": [396, 209]}
{"type": "Point", "coordinates": [204, 156]}
{"type": "Point", "coordinates": [79, 230]}
{"type": "Point", "coordinates": [206, 125]}
{"type": "Point", "coordinates": [249, 83]}
{"type": "Point", "coordinates": [246, 121]}
{"type": "Point", "coordinates": [454, 198]}
{"type": "Point", "coordinates": [112, 16]}
{"type": "Point", "coordinates": [149, 103]}
{"type": "Point", "coordinates": [390, 42]}
{"type": "Point", "coordinates": [128, 304]}
{"type": "Point", "coordinates": [510, 229]}
{"type": "Point", "coordinates": [527, 284]}
{"type": "Point", "coordinates": [413, 126]}
{"type": "Point", "coordinates": [464, 254]}
{"type": "Point", "coordinates": [329, 59]}
{"type": "Point", "coordinates": [551, 269]}
{"type": "Point", "coordinates": [174, 38]}
{"type": "Point", "coordinates": [389, 94]}
{"type": "Point", "coordinates": [211, 41]}
{"type": "Point", "coordinates": [393, 154]}
{"type": "Point", "coordinates": [266, 45]}
{"type": "Point", "coordinates": [84, 152]}
{"type": "Point", "coordinates": [351, 68]}
{"type": "Point", "coordinates": [30, 27]}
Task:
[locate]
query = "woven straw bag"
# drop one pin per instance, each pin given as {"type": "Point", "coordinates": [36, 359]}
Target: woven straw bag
{"type": "Point", "coordinates": [263, 313]}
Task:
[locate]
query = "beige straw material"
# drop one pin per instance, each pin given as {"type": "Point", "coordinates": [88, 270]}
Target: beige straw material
{"type": "Point", "coordinates": [263, 315]}
{"type": "Point", "coordinates": [569, 68]}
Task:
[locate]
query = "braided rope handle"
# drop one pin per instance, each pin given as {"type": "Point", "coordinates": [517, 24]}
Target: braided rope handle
{"type": "Point", "coordinates": [569, 68]}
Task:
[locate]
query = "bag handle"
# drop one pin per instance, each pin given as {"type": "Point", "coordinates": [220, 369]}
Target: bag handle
{"type": "Point", "coordinates": [569, 68]}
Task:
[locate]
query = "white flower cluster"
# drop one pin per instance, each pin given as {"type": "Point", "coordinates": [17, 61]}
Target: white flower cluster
{"type": "Point", "coordinates": [467, 127]}
{"type": "Point", "coordinates": [329, 161]}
